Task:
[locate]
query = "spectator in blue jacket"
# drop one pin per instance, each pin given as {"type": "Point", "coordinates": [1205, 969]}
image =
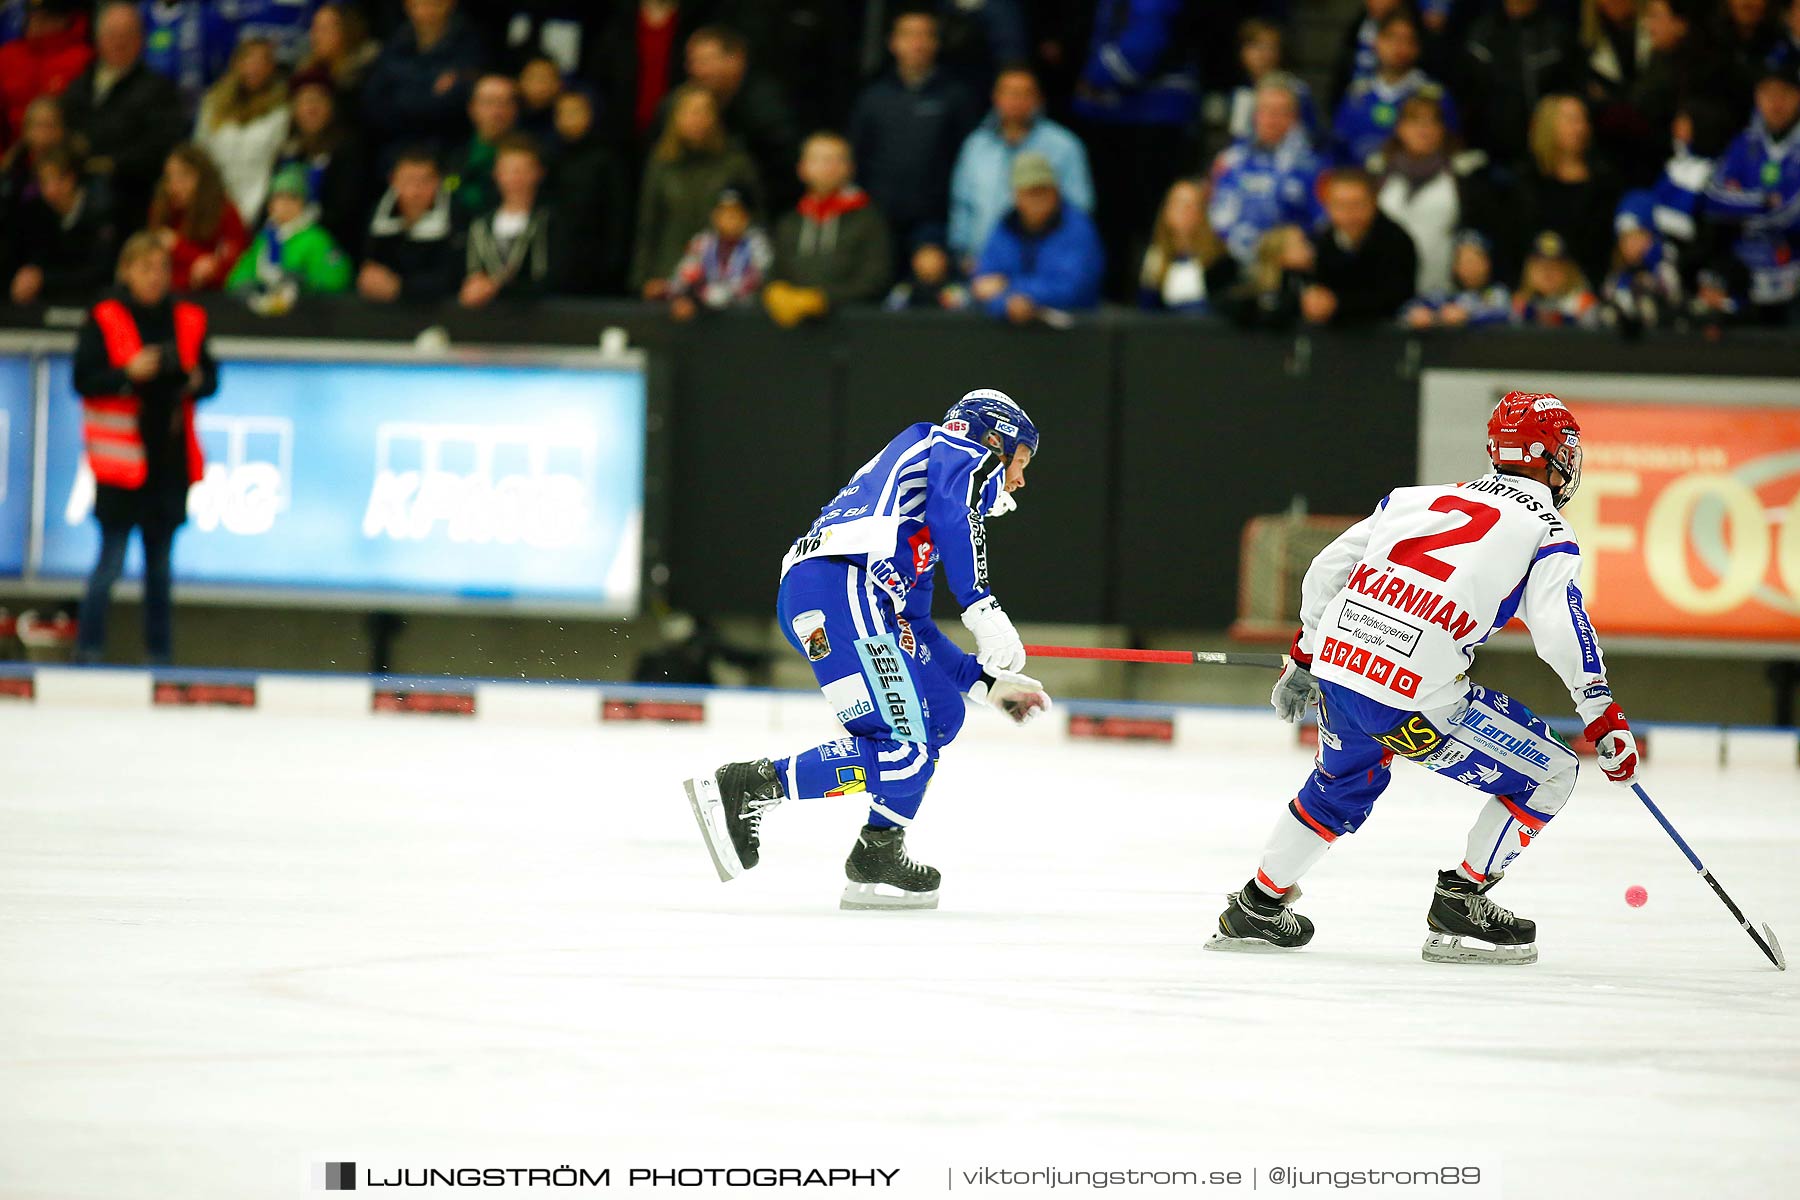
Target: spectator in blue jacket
{"type": "Point", "coordinates": [1268, 179]}
{"type": "Point", "coordinates": [418, 88]}
{"type": "Point", "coordinates": [1043, 259]}
{"type": "Point", "coordinates": [980, 191]}
{"type": "Point", "coordinates": [1752, 203]}
{"type": "Point", "coordinates": [906, 129]}
{"type": "Point", "coordinates": [1136, 101]}
{"type": "Point", "coordinates": [1366, 117]}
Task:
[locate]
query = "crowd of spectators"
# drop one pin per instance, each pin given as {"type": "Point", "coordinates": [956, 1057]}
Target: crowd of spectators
{"type": "Point", "coordinates": [1465, 163]}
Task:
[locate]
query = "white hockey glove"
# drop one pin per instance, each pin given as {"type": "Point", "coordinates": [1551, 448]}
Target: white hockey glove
{"type": "Point", "coordinates": [997, 644]}
{"type": "Point", "coordinates": [1018, 696]}
{"type": "Point", "coordinates": [1295, 692]}
{"type": "Point", "coordinates": [1614, 746]}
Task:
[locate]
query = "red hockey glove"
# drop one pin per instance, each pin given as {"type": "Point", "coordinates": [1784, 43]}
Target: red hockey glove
{"type": "Point", "coordinates": [1614, 746]}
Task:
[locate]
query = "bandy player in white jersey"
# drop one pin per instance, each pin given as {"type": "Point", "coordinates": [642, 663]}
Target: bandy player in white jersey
{"type": "Point", "coordinates": [1391, 615]}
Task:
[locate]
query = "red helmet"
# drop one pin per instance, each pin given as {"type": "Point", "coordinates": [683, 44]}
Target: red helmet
{"type": "Point", "coordinates": [1534, 429]}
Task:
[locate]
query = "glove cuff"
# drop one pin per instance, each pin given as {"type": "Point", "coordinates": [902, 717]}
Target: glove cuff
{"type": "Point", "coordinates": [1610, 721]}
{"type": "Point", "coordinates": [1300, 657]}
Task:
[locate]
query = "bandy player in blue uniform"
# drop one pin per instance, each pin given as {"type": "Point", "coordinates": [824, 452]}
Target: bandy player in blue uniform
{"type": "Point", "coordinates": [856, 601]}
{"type": "Point", "coordinates": [1391, 615]}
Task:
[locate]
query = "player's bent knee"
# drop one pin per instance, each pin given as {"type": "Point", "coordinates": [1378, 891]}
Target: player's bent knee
{"type": "Point", "coordinates": [904, 769]}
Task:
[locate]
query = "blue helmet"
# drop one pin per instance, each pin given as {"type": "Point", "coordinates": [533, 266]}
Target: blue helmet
{"type": "Point", "coordinates": [993, 419]}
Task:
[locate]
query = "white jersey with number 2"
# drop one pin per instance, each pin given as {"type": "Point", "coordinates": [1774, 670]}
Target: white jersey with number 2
{"type": "Point", "coordinates": [1395, 607]}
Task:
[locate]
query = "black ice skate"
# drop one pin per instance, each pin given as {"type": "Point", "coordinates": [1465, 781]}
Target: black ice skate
{"type": "Point", "coordinates": [1462, 914]}
{"type": "Point", "coordinates": [882, 876]}
{"type": "Point", "coordinates": [1254, 921]}
{"type": "Point", "coordinates": [730, 808]}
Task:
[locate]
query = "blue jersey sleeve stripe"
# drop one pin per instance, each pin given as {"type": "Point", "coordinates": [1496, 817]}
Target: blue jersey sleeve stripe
{"type": "Point", "coordinates": [1556, 548]}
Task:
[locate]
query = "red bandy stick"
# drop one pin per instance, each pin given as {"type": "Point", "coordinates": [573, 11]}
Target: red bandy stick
{"type": "Point", "coordinates": [1208, 658]}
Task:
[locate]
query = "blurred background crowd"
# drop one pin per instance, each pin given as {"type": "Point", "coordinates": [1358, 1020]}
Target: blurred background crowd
{"type": "Point", "coordinates": [1633, 163]}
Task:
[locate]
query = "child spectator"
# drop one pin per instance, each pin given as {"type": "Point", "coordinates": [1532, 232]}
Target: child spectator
{"type": "Point", "coordinates": [469, 169]}
{"type": "Point", "coordinates": [1267, 296]}
{"type": "Point", "coordinates": [293, 255]}
{"type": "Point", "coordinates": [1356, 57]}
{"type": "Point", "coordinates": [692, 162]}
{"type": "Point", "coordinates": [1259, 54]}
{"type": "Point", "coordinates": [1186, 263]}
{"type": "Point", "coordinates": [331, 154]}
{"type": "Point", "coordinates": [1475, 300]}
{"type": "Point", "coordinates": [340, 49]}
{"type": "Point", "coordinates": [589, 186]}
{"type": "Point", "coordinates": [44, 129]}
{"type": "Point", "coordinates": [1644, 289]}
{"type": "Point", "coordinates": [931, 283]}
{"type": "Point", "coordinates": [1044, 257]}
{"type": "Point", "coordinates": [413, 252]}
{"type": "Point", "coordinates": [1366, 116]}
{"type": "Point", "coordinates": [1553, 292]}
{"type": "Point", "coordinates": [514, 252]}
{"type": "Point", "coordinates": [1268, 179]}
{"type": "Point", "coordinates": [540, 83]}
{"type": "Point", "coordinates": [833, 248]}
{"type": "Point", "coordinates": [63, 240]}
{"type": "Point", "coordinates": [195, 221]}
{"type": "Point", "coordinates": [724, 266]}
{"type": "Point", "coordinates": [243, 121]}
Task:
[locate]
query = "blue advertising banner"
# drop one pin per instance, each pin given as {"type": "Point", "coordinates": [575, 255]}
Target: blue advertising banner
{"type": "Point", "coordinates": [500, 483]}
{"type": "Point", "coordinates": [15, 462]}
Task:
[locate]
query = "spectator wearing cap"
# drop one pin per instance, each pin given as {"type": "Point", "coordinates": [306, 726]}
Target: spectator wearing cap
{"type": "Point", "coordinates": [1369, 111]}
{"type": "Point", "coordinates": [469, 169]}
{"type": "Point", "coordinates": [130, 116]}
{"type": "Point", "coordinates": [413, 252]}
{"type": "Point", "coordinates": [1431, 187]}
{"type": "Point", "coordinates": [693, 160]}
{"type": "Point", "coordinates": [751, 106]}
{"type": "Point", "coordinates": [981, 182]}
{"type": "Point", "coordinates": [1044, 257]}
{"type": "Point", "coordinates": [63, 240]}
{"type": "Point", "coordinates": [1270, 178]}
{"type": "Point", "coordinates": [1516, 55]}
{"type": "Point", "coordinates": [51, 55]}
{"type": "Point", "coordinates": [1553, 293]}
{"type": "Point", "coordinates": [331, 153]}
{"type": "Point", "coordinates": [1752, 203]}
{"type": "Point", "coordinates": [1475, 299]}
{"type": "Point", "coordinates": [1565, 189]}
{"type": "Point", "coordinates": [243, 122]}
{"type": "Point", "coordinates": [1366, 264]}
{"type": "Point", "coordinates": [418, 88]}
{"type": "Point", "coordinates": [516, 251]}
{"type": "Point", "coordinates": [833, 248]}
{"type": "Point", "coordinates": [725, 266]}
{"type": "Point", "coordinates": [1644, 288]}
{"type": "Point", "coordinates": [292, 254]}
{"type": "Point", "coordinates": [906, 129]}
{"type": "Point", "coordinates": [588, 184]}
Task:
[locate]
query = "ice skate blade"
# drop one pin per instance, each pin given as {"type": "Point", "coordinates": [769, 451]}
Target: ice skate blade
{"type": "Point", "coordinates": [873, 897]}
{"type": "Point", "coordinates": [1454, 948]}
{"type": "Point", "coordinates": [709, 811]}
{"type": "Point", "coordinates": [1237, 945]}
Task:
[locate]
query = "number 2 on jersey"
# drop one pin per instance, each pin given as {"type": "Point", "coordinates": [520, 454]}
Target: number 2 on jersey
{"type": "Point", "coordinates": [1416, 552]}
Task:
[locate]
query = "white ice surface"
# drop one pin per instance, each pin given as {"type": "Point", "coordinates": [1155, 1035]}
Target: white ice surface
{"type": "Point", "coordinates": [233, 944]}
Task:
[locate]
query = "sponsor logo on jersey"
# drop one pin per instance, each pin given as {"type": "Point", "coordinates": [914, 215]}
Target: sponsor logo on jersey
{"type": "Point", "coordinates": [1520, 746]}
{"type": "Point", "coordinates": [1378, 629]}
{"type": "Point", "coordinates": [923, 552]}
{"type": "Point", "coordinates": [1413, 738]}
{"type": "Point", "coordinates": [850, 781]}
{"type": "Point", "coordinates": [1386, 588]}
{"type": "Point", "coordinates": [1373, 667]}
{"type": "Point", "coordinates": [849, 698]}
{"type": "Point", "coordinates": [1447, 755]}
{"type": "Point", "coordinates": [908, 642]}
{"type": "Point", "coordinates": [898, 701]}
{"type": "Point", "coordinates": [978, 543]}
{"type": "Point", "coordinates": [1596, 691]}
{"type": "Point", "coordinates": [1584, 632]}
{"type": "Point", "coordinates": [840, 749]}
{"type": "Point", "coordinates": [809, 629]}
{"type": "Point", "coordinates": [1500, 485]}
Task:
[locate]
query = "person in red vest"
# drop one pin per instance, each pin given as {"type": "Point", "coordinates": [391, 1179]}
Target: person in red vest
{"type": "Point", "coordinates": [141, 361]}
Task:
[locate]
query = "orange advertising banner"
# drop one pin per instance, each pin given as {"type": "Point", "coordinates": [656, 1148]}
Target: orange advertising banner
{"type": "Point", "coordinates": [1689, 519]}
